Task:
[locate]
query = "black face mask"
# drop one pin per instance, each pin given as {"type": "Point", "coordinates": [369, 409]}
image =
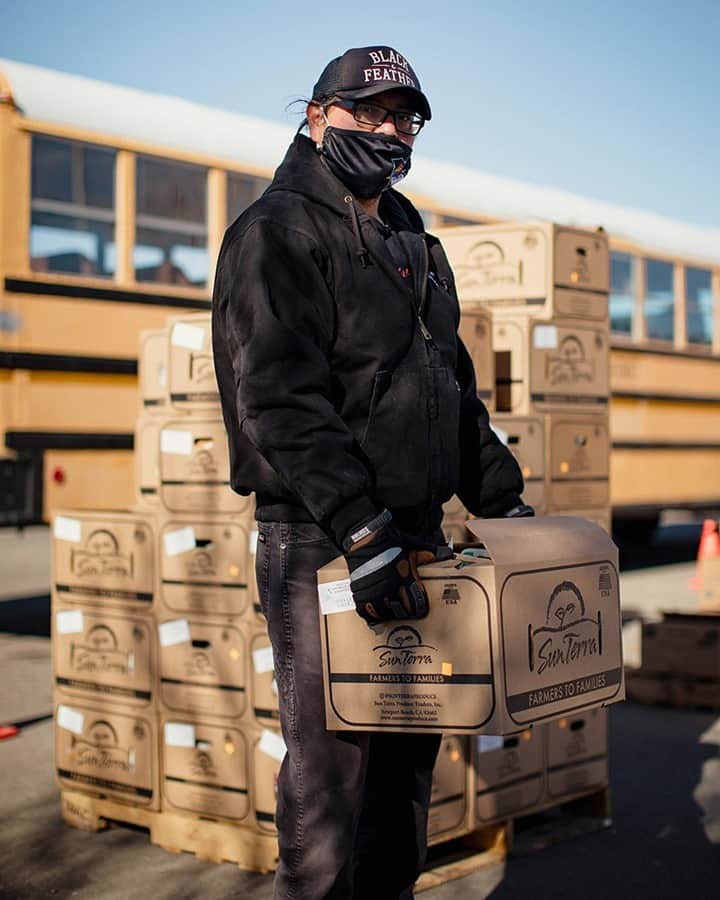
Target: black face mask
{"type": "Point", "coordinates": [366, 162]}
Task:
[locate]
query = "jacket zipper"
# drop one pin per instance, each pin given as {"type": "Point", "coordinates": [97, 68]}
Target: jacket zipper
{"type": "Point", "coordinates": [423, 294]}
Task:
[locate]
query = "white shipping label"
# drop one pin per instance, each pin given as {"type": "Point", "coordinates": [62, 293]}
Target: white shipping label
{"type": "Point", "coordinates": [179, 541]}
{"type": "Point", "coordinates": [335, 597]}
{"type": "Point", "coordinates": [179, 443]}
{"type": "Point", "coordinates": [263, 660]}
{"type": "Point", "coordinates": [162, 376]}
{"type": "Point", "coordinates": [545, 337]}
{"type": "Point", "coordinates": [69, 621]}
{"type": "Point", "coordinates": [179, 734]}
{"type": "Point", "coordinates": [67, 529]}
{"type": "Point", "coordinates": [502, 435]}
{"type": "Point", "coordinates": [189, 336]}
{"type": "Point", "coordinates": [273, 745]}
{"type": "Point", "coordinates": [70, 719]}
{"type": "Point", "coordinates": [488, 742]}
{"type": "Point", "coordinates": [252, 542]}
{"type": "Point", "coordinates": [175, 632]}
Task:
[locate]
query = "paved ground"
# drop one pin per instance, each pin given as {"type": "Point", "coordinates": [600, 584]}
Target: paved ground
{"type": "Point", "coordinates": [665, 783]}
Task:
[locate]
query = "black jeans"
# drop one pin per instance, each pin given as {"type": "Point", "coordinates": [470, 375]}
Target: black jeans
{"type": "Point", "coordinates": [351, 807]}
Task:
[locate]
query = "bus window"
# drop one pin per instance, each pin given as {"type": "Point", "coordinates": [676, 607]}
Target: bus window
{"type": "Point", "coordinates": [458, 220]}
{"type": "Point", "coordinates": [242, 190]}
{"type": "Point", "coordinates": [621, 292]}
{"type": "Point", "coordinates": [699, 305]}
{"type": "Point", "coordinates": [659, 300]}
{"type": "Point", "coordinates": [72, 219]}
{"type": "Point", "coordinates": [171, 223]}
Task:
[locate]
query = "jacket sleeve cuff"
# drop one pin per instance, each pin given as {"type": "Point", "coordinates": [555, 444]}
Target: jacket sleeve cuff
{"type": "Point", "coordinates": [359, 510]}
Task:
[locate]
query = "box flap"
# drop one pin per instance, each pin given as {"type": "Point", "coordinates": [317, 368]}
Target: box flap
{"type": "Point", "coordinates": [540, 540]}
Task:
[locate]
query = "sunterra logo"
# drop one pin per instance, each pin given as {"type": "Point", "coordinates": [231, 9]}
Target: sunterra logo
{"type": "Point", "coordinates": [101, 556]}
{"type": "Point", "coordinates": [567, 635]}
{"type": "Point", "coordinates": [569, 365]}
{"type": "Point", "coordinates": [404, 647]}
{"type": "Point", "coordinates": [100, 749]}
{"type": "Point", "coordinates": [99, 652]}
{"type": "Point", "coordinates": [485, 266]}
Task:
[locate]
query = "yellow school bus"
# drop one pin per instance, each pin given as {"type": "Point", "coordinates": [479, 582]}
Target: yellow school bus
{"type": "Point", "coordinates": [113, 203]}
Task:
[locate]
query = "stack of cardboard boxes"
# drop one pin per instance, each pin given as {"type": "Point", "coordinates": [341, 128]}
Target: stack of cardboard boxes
{"type": "Point", "coordinates": [163, 668]}
{"type": "Point", "coordinates": [547, 289]}
{"type": "Point", "coordinates": [164, 676]}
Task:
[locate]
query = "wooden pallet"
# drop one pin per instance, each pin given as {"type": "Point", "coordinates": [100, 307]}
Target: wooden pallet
{"type": "Point", "coordinates": [665, 689]}
{"type": "Point", "coordinates": [175, 832]}
{"type": "Point", "coordinates": [223, 842]}
{"type": "Point", "coordinates": [516, 837]}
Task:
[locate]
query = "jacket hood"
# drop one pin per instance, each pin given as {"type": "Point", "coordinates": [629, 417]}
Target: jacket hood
{"type": "Point", "coordinates": [303, 171]}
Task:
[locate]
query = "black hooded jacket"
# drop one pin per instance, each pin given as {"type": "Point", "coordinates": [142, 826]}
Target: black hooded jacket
{"type": "Point", "coordinates": [344, 385]}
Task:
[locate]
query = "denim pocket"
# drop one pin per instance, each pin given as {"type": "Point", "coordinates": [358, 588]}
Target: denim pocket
{"type": "Point", "coordinates": [303, 533]}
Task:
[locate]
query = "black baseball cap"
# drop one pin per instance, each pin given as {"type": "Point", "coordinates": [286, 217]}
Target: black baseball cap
{"type": "Point", "coordinates": [364, 71]}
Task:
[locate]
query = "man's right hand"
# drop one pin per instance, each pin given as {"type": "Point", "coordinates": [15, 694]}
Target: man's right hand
{"type": "Point", "coordinates": [383, 571]}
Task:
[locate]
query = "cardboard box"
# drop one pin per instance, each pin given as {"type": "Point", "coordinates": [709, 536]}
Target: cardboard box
{"type": "Point", "coordinates": [195, 468]}
{"type": "Point", "coordinates": [205, 769]}
{"type": "Point", "coordinates": [108, 751]}
{"type": "Point", "coordinates": [153, 371]}
{"type": "Point", "coordinates": [203, 668]}
{"type": "Point", "coordinates": [682, 645]}
{"type": "Point", "coordinates": [525, 437]}
{"type": "Point", "coordinates": [527, 634]}
{"type": "Point", "coordinates": [80, 472]}
{"type": "Point", "coordinates": [103, 656]}
{"type": "Point", "coordinates": [104, 558]}
{"type": "Point", "coordinates": [253, 595]}
{"type": "Point", "coordinates": [454, 518]}
{"type": "Point", "coordinates": [550, 366]}
{"type": "Point", "coordinates": [193, 386]}
{"type": "Point", "coordinates": [694, 692]}
{"type": "Point", "coordinates": [538, 269]}
{"type": "Point", "coordinates": [268, 752]}
{"type": "Point", "coordinates": [579, 462]}
{"type": "Point", "coordinates": [577, 754]}
{"type": "Point", "coordinates": [205, 565]}
{"type": "Point", "coordinates": [263, 687]}
{"type": "Point", "coordinates": [476, 333]}
{"type": "Point", "coordinates": [509, 774]}
{"type": "Point", "coordinates": [450, 805]}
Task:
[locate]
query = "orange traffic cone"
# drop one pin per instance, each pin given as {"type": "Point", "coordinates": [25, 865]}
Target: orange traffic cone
{"type": "Point", "coordinates": [709, 546]}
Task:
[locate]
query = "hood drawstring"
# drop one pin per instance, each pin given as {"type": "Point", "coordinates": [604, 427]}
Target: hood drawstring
{"type": "Point", "coordinates": [361, 251]}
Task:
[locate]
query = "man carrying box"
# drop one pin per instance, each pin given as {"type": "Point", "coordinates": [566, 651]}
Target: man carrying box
{"type": "Point", "coordinates": [351, 411]}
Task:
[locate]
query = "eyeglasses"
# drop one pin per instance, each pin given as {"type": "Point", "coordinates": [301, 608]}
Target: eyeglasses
{"type": "Point", "coordinates": [373, 114]}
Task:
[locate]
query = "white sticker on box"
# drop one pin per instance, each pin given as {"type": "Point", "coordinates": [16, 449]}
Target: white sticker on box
{"type": "Point", "coordinates": [263, 660]}
{"type": "Point", "coordinates": [545, 337]}
{"type": "Point", "coordinates": [179, 443]}
{"type": "Point", "coordinates": [632, 643]}
{"type": "Point", "coordinates": [274, 687]}
{"type": "Point", "coordinates": [179, 734]}
{"type": "Point", "coordinates": [70, 719]}
{"type": "Point", "coordinates": [162, 375]}
{"type": "Point", "coordinates": [179, 541]}
{"type": "Point", "coordinates": [191, 337]}
{"type": "Point", "coordinates": [488, 742]}
{"type": "Point", "coordinates": [273, 745]}
{"type": "Point", "coordinates": [175, 632]}
{"type": "Point", "coordinates": [335, 597]}
{"type": "Point", "coordinates": [69, 621]}
{"type": "Point", "coordinates": [502, 435]}
{"type": "Point", "coordinates": [67, 529]}
{"type": "Point", "coordinates": [252, 542]}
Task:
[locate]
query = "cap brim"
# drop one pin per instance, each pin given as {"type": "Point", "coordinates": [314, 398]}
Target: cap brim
{"type": "Point", "coordinates": [422, 106]}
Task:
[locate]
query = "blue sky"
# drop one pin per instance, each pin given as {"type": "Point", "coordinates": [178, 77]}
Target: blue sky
{"type": "Point", "coordinates": [615, 101]}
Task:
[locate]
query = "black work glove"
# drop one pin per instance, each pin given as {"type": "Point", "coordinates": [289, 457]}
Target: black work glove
{"type": "Point", "coordinates": [383, 570]}
{"type": "Point", "coordinates": [522, 511]}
